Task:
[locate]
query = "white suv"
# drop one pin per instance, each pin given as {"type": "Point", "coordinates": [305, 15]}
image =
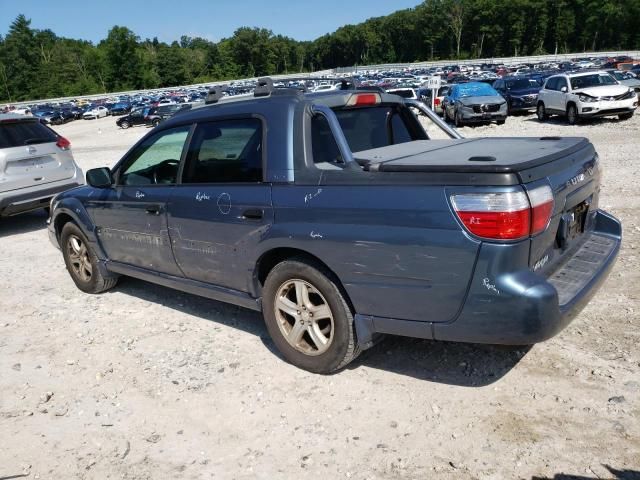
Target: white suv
{"type": "Point", "coordinates": [585, 95]}
{"type": "Point", "coordinates": [35, 164]}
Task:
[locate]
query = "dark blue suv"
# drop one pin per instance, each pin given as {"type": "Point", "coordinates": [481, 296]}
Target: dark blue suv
{"type": "Point", "coordinates": [521, 93]}
{"type": "Point", "coordinates": [338, 218]}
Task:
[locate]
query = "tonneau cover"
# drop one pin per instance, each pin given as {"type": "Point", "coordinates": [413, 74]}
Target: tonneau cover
{"type": "Point", "coordinates": [472, 155]}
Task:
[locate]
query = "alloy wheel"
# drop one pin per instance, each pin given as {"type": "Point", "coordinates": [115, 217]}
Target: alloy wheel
{"type": "Point", "coordinates": [304, 317]}
{"type": "Point", "coordinates": [79, 258]}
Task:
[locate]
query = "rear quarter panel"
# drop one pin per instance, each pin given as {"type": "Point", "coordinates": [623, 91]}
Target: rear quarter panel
{"type": "Point", "coordinates": [398, 251]}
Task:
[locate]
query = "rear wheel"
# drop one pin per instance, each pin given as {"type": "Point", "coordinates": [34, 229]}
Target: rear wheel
{"type": "Point", "coordinates": [572, 114]}
{"type": "Point", "coordinates": [500, 122]}
{"type": "Point", "coordinates": [541, 112]}
{"type": "Point", "coordinates": [625, 116]}
{"type": "Point", "coordinates": [125, 124]}
{"type": "Point", "coordinates": [82, 262]}
{"type": "Point", "coordinates": [308, 317]}
{"type": "Point", "coordinates": [155, 122]}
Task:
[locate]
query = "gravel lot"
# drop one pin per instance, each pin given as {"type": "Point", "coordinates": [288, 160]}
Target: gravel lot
{"type": "Point", "coordinates": [146, 382]}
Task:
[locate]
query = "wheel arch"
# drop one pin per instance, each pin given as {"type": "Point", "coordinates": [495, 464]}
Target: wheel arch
{"type": "Point", "coordinates": [269, 259]}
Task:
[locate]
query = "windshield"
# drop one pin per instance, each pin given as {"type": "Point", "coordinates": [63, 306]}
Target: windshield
{"type": "Point", "coordinates": [594, 80]}
{"type": "Point", "coordinates": [473, 89]}
{"type": "Point", "coordinates": [521, 84]}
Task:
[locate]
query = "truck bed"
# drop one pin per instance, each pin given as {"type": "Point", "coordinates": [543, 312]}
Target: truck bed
{"type": "Point", "coordinates": [498, 154]}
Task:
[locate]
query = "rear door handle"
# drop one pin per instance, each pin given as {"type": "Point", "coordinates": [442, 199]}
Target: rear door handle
{"type": "Point", "coordinates": [154, 210]}
{"type": "Point", "coordinates": [253, 214]}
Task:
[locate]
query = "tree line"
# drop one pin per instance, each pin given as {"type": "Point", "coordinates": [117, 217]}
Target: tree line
{"type": "Point", "coordinates": [38, 64]}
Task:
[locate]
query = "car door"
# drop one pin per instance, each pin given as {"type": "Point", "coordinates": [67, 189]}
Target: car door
{"type": "Point", "coordinates": [130, 217]}
{"type": "Point", "coordinates": [222, 208]}
{"type": "Point", "coordinates": [561, 103]}
{"type": "Point", "coordinates": [136, 117]}
{"type": "Point", "coordinates": [551, 94]}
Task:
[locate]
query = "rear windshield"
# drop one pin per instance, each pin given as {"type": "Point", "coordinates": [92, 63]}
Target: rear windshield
{"type": "Point", "coordinates": [18, 134]}
{"type": "Point", "coordinates": [374, 127]}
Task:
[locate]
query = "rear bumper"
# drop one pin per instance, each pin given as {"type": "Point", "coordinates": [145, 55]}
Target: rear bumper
{"type": "Point", "coordinates": [25, 200]}
{"type": "Point", "coordinates": [517, 308]}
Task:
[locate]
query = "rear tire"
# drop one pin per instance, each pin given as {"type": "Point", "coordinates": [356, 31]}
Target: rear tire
{"type": "Point", "coordinates": [500, 122]}
{"type": "Point", "coordinates": [295, 291]}
{"type": "Point", "coordinates": [82, 262]}
{"type": "Point", "coordinates": [155, 123]}
{"type": "Point", "coordinates": [125, 125]}
{"type": "Point", "coordinates": [625, 116]}
{"type": "Point", "coordinates": [541, 112]}
{"type": "Point", "coordinates": [572, 114]}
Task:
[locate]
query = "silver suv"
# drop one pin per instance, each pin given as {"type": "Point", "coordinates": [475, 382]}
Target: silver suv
{"type": "Point", "coordinates": [585, 95]}
{"type": "Point", "coordinates": [35, 164]}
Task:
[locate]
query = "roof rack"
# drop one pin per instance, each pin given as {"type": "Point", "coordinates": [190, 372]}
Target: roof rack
{"type": "Point", "coordinates": [266, 86]}
{"type": "Point", "coordinates": [214, 95]}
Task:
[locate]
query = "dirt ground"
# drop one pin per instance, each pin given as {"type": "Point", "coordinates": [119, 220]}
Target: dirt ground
{"type": "Point", "coordinates": [146, 382]}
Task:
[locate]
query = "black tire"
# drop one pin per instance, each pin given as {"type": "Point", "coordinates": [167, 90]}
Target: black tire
{"type": "Point", "coordinates": [500, 122]}
{"type": "Point", "coordinates": [125, 124]}
{"type": "Point", "coordinates": [572, 114]}
{"type": "Point", "coordinates": [156, 122]}
{"type": "Point", "coordinates": [324, 287]}
{"type": "Point", "coordinates": [458, 119]}
{"type": "Point", "coordinates": [541, 112]}
{"type": "Point", "coordinates": [83, 266]}
{"type": "Point", "coordinates": [625, 116]}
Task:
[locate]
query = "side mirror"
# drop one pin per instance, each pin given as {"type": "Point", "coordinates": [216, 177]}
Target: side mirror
{"type": "Point", "coordinates": [564, 90]}
{"type": "Point", "coordinates": [100, 177]}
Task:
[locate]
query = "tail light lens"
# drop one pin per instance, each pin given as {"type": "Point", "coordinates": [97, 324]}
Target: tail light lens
{"type": "Point", "coordinates": [497, 216]}
{"type": "Point", "coordinates": [361, 99]}
{"type": "Point", "coordinates": [541, 199]}
{"type": "Point", "coordinates": [436, 102]}
{"type": "Point", "coordinates": [505, 216]}
{"type": "Point", "coordinates": [63, 143]}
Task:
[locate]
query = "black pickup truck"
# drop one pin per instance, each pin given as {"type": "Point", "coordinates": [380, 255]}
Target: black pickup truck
{"type": "Point", "coordinates": [336, 216]}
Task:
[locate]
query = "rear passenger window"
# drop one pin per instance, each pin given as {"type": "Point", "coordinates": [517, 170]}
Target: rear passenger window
{"type": "Point", "coordinates": [324, 147]}
{"type": "Point", "coordinates": [228, 151]}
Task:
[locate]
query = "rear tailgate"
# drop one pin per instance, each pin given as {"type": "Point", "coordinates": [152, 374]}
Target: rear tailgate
{"type": "Point", "coordinates": [29, 156]}
{"type": "Point", "coordinates": [575, 181]}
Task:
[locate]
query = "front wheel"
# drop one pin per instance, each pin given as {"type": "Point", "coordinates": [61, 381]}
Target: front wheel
{"type": "Point", "coordinates": [308, 317]}
{"type": "Point", "coordinates": [541, 112]}
{"type": "Point", "coordinates": [82, 262]}
{"type": "Point", "coordinates": [458, 119]}
{"type": "Point", "coordinates": [572, 115]}
{"type": "Point", "coordinates": [125, 125]}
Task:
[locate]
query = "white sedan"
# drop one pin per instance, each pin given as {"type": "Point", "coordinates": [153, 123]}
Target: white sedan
{"type": "Point", "coordinates": [95, 112]}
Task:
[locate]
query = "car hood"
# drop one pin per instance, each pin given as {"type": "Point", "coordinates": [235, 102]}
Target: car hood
{"type": "Point", "coordinates": [604, 90]}
{"type": "Point", "coordinates": [482, 99]}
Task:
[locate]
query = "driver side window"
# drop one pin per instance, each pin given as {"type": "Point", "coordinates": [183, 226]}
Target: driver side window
{"type": "Point", "coordinates": [156, 160]}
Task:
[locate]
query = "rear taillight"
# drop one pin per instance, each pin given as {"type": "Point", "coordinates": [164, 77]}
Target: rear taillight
{"type": "Point", "coordinates": [436, 102]}
{"type": "Point", "coordinates": [505, 216]}
{"type": "Point", "coordinates": [497, 216]}
{"type": "Point", "coordinates": [541, 199]}
{"type": "Point", "coordinates": [63, 143]}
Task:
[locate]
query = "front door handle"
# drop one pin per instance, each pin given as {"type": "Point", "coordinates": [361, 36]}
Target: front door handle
{"type": "Point", "coordinates": [154, 210]}
{"type": "Point", "coordinates": [253, 214]}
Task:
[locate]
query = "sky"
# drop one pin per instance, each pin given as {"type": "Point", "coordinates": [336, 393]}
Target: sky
{"type": "Point", "coordinates": [213, 19]}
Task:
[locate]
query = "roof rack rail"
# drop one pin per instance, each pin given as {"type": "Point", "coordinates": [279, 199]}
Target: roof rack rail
{"type": "Point", "coordinates": [264, 88]}
{"type": "Point", "coordinates": [214, 95]}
